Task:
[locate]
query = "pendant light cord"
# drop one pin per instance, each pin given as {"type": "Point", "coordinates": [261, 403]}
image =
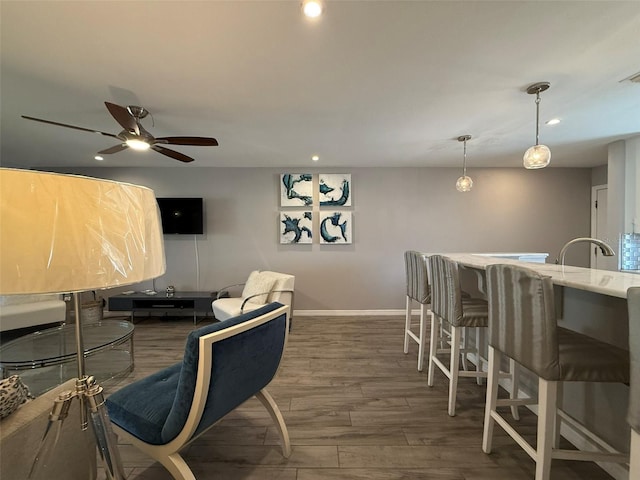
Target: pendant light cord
{"type": "Point", "coordinates": [464, 160]}
{"type": "Point", "coordinates": [537, 117]}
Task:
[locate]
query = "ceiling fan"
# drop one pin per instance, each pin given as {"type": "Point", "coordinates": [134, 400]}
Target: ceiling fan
{"type": "Point", "coordinates": [135, 136]}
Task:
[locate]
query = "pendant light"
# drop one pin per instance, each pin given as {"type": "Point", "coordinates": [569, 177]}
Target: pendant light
{"type": "Point", "coordinates": [537, 156]}
{"type": "Point", "coordinates": [464, 183]}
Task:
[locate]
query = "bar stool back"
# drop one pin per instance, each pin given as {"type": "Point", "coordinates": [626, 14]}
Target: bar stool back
{"type": "Point", "coordinates": [522, 325]}
{"type": "Point", "coordinates": [417, 290]}
{"type": "Point", "coordinates": [633, 417]}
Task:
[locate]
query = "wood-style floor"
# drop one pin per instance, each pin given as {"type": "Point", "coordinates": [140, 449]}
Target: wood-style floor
{"type": "Point", "coordinates": [356, 408]}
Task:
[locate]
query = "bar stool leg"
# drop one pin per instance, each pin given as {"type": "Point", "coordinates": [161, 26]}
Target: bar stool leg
{"type": "Point", "coordinates": [422, 336]}
{"type": "Point", "coordinates": [433, 346]}
{"type": "Point", "coordinates": [464, 336]}
{"type": "Point", "coordinates": [454, 366]}
{"type": "Point", "coordinates": [634, 463]}
{"type": "Point", "coordinates": [479, 344]}
{"type": "Point", "coordinates": [557, 423]}
{"type": "Point", "coordinates": [407, 325]}
{"type": "Point", "coordinates": [547, 395]}
{"type": "Point", "coordinates": [514, 370]}
{"type": "Point", "coordinates": [492, 398]}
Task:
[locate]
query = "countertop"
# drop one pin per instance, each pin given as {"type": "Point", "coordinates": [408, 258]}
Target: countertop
{"type": "Point", "coordinates": [605, 282]}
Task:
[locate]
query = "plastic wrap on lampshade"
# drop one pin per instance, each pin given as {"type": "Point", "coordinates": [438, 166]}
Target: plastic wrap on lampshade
{"type": "Point", "coordinates": [68, 233]}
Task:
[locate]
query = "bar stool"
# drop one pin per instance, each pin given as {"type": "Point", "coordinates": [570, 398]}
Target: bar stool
{"type": "Point", "coordinates": [461, 312]}
{"type": "Point", "coordinates": [417, 289]}
{"type": "Point", "coordinates": [633, 417]}
{"type": "Point", "coordinates": [522, 325]}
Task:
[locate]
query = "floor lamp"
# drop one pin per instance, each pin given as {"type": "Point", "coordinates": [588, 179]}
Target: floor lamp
{"type": "Point", "coordinates": [71, 234]}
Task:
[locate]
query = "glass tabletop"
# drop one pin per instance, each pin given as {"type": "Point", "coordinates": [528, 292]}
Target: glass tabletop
{"type": "Point", "coordinates": [58, 345]}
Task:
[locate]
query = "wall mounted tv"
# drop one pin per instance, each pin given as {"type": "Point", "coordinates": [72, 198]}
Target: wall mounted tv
{"type": "Point", "coordinates": [182, 215]}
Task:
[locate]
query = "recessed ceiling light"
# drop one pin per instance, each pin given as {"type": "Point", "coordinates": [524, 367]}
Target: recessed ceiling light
{"type": "Point", "coordinates": [315, 158]}
{"type": "Point", "coordinates": [312, 8]}
{"type": "Point", "coordinates": [98, 157]}
{"type": "Point", "coordinates": [553, 121]}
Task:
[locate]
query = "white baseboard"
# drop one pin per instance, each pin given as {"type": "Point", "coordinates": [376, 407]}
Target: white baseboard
{"type": "Point", "coordinates": [344, 313]}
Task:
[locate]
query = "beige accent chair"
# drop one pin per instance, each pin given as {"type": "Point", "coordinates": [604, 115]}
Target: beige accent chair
{"type": "Point", "coordinates": [74, 457]}
{"type": "Point", "coordinates": [261, 287]}
{"type": "Point", "coordinates": [523, 326]}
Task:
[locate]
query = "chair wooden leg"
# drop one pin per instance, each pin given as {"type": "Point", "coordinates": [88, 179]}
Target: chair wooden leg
{"type": "Point", "coordinates": [492, 398]}
{"type": "Point", "coordinates": [407, 324]}
{"type": "Point", "coordinates": [272, 407]}
{"type": "Point", "coordinates": [454, 366]}
{"type": "Point", "coordinates": [433, 346]}
{"type": "Point", "coordinates": [547, 394]}
{"type": "Point", "coordinates": [177, 467]}
{"type": "Point", "coordinates": [514, 370]}
{"type": "Point", "coordinates": [422, 336]}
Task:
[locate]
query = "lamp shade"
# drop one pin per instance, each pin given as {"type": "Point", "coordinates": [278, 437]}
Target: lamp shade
{"type": "Point", "coordinates": [68, 233]}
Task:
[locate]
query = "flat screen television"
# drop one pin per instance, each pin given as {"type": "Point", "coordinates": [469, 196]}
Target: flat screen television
{"type": "Point", "coordinates": [182, 215]}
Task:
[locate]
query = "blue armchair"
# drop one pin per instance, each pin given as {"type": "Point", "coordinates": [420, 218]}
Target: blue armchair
{"type": "Point", "coordinates": [224, 365]}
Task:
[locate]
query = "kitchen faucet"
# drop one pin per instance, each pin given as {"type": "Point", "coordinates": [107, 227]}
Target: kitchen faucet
{"type": "Point", "coordinates": [607, 251]}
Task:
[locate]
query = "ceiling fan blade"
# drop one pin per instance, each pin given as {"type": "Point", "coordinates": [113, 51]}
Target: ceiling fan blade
{"type": "Point", "coordinates": [172, 153]}
{"type": "Point", "coordinates": [123, 117]}
{"type": "Point", "coordinates": [114, 149]}
{"type": "Point", "coordinates": [70, 126]}
{"type": "Point", "coordinates": [197, 141]}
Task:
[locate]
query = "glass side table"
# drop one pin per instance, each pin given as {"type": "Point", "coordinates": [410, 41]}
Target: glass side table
{"type": "Point", "coordinates": [47, 358]}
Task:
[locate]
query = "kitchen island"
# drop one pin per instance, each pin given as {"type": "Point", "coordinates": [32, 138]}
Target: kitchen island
{"type": "Point", "coordinates": [592, 302]}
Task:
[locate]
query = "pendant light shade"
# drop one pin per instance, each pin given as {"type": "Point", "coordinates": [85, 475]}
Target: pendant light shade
{"type": "Point", "coordinates": [537, 156]}
{"type": "Point", "coordinates": [464, 183]}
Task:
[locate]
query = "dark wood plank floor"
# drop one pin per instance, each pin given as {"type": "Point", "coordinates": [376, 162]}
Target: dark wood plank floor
{"type": "Point", "coordinates": [356, 408]}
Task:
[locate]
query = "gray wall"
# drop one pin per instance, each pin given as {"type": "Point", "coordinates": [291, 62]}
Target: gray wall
{"type": "Point", "coordinates": [599, 175]}
{"type": "Point", "coordinates": [394, 209]}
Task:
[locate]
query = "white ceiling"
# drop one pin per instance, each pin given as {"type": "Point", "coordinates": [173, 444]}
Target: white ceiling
{"type": "Point", "coordinates": [371, 83]}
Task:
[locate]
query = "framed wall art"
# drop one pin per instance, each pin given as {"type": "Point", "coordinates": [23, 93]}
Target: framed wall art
{"type": "Point", "coordinates": [334, 189]}
{"type": "Point", "coordinates": [335, 228]}
{"type": "Point", "coordinates": [296, 190]}
{"type": "Point", "coordinates": [296, 227]}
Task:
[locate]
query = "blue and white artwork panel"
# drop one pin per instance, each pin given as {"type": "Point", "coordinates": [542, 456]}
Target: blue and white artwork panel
{"type": "Point", "coordinates": [334, 189]}
{"type": "Point", "coordinates": [296, 189]}
{"type": "Point", "coordinates": [296, 227]}
{"type": "Point", "coordinates": [335, 228]}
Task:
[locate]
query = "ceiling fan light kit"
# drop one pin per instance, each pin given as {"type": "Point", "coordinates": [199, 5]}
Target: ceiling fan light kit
{"type": "Point", "coordinates": [136, 144]}
{"type": "Point", "coordinates": [464, 183]}
{"type": "Point", "coordinates": [537, 156]}
{"type": "Point", "coordinates": [134, 135]}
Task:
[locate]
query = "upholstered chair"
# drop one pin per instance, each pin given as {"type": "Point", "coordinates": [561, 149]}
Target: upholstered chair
{"type": "Point", "coordinates": [460, 312]}
{"type": "Point", "coordinates": [224, 365]}
{"type": "Point", "coordinates": [523, 326]}
{"type": "Point", "coordinates": [260, 288]}
{"type": "Point", "coordinates": [633, 301]}
{"type": "Point", "coordinates": [416, 270]}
